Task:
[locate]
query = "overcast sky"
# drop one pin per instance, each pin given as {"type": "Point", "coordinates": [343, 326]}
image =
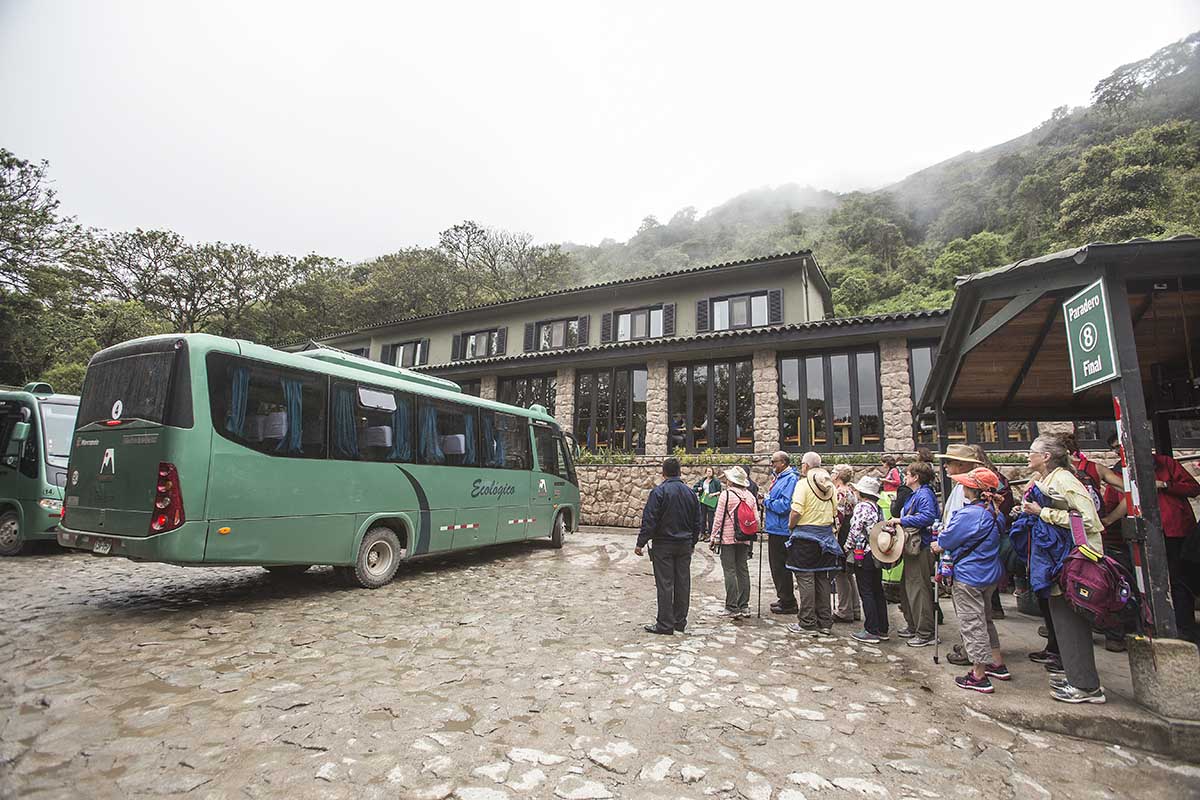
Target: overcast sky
{"type": "Point", "coordinates": [353, 129]}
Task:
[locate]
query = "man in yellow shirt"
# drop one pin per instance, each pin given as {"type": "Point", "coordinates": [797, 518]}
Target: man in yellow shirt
{"type": "Point", "coordinates": [813, 550]}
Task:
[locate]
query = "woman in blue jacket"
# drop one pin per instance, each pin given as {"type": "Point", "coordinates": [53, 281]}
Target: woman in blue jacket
{"type": "Point", "coordinates": [971, 539]}
{"type": "Point", "coordinates": [919, 513]}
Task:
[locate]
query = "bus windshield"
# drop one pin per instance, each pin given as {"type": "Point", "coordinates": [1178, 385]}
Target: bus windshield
{"type": "Point", "coordinates": [58, 423]}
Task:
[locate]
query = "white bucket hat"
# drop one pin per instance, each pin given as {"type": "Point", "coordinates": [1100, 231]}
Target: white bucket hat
{"type": "Point", "coordinates": [737, 476]}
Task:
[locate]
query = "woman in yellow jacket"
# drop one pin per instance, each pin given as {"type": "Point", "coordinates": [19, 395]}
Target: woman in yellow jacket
{"type": "Point", "coordinates": [1051, 461]}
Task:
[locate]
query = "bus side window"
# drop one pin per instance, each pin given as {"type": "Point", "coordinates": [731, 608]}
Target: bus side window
{"type": "Point", "coordinates": [279, 412]}
{"type": "Point", "coordinates": [446, 433]}
{"type": "Point", "coordinates": [384, 425]}
{"type": "Point", "coordinates": [547, 450]}
{"type": "Point", "coordinates": [505, 441]}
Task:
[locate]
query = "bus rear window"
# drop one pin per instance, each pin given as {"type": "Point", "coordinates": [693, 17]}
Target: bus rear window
{"type": "Point", "coordinates": [137, 387]}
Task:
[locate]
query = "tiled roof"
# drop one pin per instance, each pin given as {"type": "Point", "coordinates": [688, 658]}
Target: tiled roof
{"type": "Point", "coordinates": [744, 333]}
{"type": "Point", "coordinates": [569, 290]}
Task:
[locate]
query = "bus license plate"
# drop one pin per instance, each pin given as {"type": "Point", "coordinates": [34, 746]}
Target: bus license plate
{"type": "Point", "coordinates": [102, 547]}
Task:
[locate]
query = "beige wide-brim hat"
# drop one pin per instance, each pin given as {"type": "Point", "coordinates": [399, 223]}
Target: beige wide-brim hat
{"type": "Point", "coordinates": [886, 547]}
{"type": "Point", "coordinates": [737, 476]}
{"type": "Point", "coordinates": [959, 452]}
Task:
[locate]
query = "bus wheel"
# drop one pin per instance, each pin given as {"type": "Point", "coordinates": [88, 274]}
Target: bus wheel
{"type": "Point", "coordinates": [558, 532]}
{"type": "Point", "coordinates": [378, 558]}
{"type": "Point", "coordinates": [10, 534]}
{"type": "Point", "coordinates": [287, 570]}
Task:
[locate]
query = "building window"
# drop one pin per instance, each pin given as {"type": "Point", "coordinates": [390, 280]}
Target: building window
{"type": "Point", "coordinates": [992, 435]}
{"type": "Point", "coordinates": [712, 406]}
{"type": "Point", "coordinates": [363, 352]}
{"type": "Point", "coordinates": [610, 409]}
{"type": "Point", "coordinates": [480, 344]}
{"type": "Point", "coordinates": [640, 323]}
{"type": "Point", "coordinates": [557, 334]}
{"type": "Point", "coordinates": [412, 353]}
{"type": "Point", "coordinates": [470, 387]}
{"type": "Point", "coordinates": [1093, 434]}
{"type": "Point", "coordinates": [831, 402]}
{"type": "Point", "coordinates": [527, 390]}
{"type": "Point", "coordinates": [743, 311]}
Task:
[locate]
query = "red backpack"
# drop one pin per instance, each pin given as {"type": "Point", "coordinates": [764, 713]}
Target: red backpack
{"type": "Point", "coordinates": [1096, 586]}
{"type": "Point", "coordinates": [745, 520]}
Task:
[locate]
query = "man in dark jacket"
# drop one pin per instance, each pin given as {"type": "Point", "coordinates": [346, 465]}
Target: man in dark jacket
{"type": "Point", "coordinates": [671, 524]}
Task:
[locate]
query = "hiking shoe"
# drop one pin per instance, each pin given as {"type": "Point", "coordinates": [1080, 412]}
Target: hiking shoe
{"type": "Point", "coordinates": [1055, 668]}
{"type": "Point", "coordinates": [727, 612]}
{"type": "Point", "coordinates": [969, 681]}
{"type": "Point", "coordinates": [920, 641]}
{"type": "Point", "coordinates": [1073, 694]}
{"type": "Point", "coordinates": [825, 631]}
{"type": "Point", "coordinates": [1114, 645]}
{"type": "Point", "coordinates": [905, 633]}
{"type": "Point", "coordinates": [1059, 682]}
{"type": "Point", "coordinates": [803, 631]}
{"type": "Point", "coordinates": [865, 636]}
{"type": "Point", "coordinates": [1043, 632]}
{"type": "Point", "coordinates": [998, 671]}
{"type": "Point", "coordinates": [742, 613]}
{"type": "Point", "coordinates": [776, 609]}
{"type": "Point", "coordinates": [883, 637]}
{"type": "Point", "coordinates": [957, 657]}
{"type": "Point", "coordinates": [1043, 657]}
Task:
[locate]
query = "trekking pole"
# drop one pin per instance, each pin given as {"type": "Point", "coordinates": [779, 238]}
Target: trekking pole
{"type": "Point", "coordinates": [937, 608]}
{"type": "Point", "coordinates": [760, 541]}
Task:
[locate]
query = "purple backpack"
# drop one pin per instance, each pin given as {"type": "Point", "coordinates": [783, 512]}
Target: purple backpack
{"type": "Point", "coordinates": [1096, 586]}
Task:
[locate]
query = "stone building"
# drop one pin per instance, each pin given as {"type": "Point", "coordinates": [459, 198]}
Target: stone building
{"type": "Point", "coordinates": [729, 361]}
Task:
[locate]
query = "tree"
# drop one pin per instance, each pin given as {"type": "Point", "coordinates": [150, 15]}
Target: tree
{"type": "Point", "coordinates": [32, 236]}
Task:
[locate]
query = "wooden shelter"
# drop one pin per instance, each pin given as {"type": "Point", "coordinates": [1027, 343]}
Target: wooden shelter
{"type": "Point", "coordinates": [1005, 355]}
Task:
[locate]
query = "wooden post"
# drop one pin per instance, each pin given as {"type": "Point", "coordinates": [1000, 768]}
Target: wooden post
{"type": "Point", "coordinates": [1129, 399]}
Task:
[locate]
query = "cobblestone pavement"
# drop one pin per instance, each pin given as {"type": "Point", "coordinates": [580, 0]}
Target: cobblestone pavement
{"type": "Point", "coordinates": [518, 672]}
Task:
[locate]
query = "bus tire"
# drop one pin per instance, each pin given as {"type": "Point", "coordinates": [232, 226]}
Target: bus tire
{"type": "Point", "coordinates": [378, 558]}
{"type": "Point", "coordinates": [559, 531]}
{"type": "Point", "coordinates": [287, 570]}
{"type": "Point", "coordinates": [11, 543]}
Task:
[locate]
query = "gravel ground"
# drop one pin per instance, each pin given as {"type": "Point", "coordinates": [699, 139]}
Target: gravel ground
{"type": "Point", "coordinates": [520, 671]}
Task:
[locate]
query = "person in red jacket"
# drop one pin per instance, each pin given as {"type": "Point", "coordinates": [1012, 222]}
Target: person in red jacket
{"type": "Point", "coordinates": [1175, 488]}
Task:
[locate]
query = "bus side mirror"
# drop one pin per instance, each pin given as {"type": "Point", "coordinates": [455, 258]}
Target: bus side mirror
{"type": "Point", "coordinates": [20, 432]}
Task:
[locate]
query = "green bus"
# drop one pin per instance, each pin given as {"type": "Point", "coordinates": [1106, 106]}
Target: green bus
{"type": "Point", "coordinates": [201, 450]}
{"type": "Point", "coordinates": [35, 440]}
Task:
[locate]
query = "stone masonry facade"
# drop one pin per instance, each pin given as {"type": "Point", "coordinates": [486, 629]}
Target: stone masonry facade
{"type": "Point", "coordinates": [657, 418]}
{"type": "Point", "coordinates": [564, 398]}
{"type": "Point", "coordinates": [766, 401]}
{"type": "Point", "coordinates": [897, 396]}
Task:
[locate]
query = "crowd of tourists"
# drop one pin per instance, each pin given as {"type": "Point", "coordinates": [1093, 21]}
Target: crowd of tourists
{"type": "Point", "coordinates": [835, 544]}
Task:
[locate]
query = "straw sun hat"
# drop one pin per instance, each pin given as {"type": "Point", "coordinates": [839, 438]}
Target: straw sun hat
{"type": "Point", "coordinates": [737, 476]}
{"type": "Point", "coordinates": [887, 546]}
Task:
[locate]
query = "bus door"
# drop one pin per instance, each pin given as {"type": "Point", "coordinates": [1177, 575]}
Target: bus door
{"type": "Point", "coordinates": [547, 481]}
{"type": "Point", "coordinates": [505, 480]}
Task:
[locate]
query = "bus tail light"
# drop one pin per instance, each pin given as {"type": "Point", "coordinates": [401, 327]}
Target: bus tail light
{"type": "Point", "coordinates": [167, 514]}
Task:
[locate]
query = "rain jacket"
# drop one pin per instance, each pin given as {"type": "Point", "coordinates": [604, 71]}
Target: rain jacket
{"type": "Point", "coordinates": [921, 511]}
{"type": "Point", "coordinates": [973, 523]}
{"type": "Point", "coordinates": [1042, 546]}
{"type": "Point", "coordinates": [778, 504]}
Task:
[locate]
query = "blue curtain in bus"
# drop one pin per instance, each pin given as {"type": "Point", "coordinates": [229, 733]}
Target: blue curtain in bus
{"type": "Point", "coordinates": [345, 433]}
{"type": "Point", "coordinates": [402, 446]}
{"type": "Point", "coordinates": [292, 398]}
{"type": "Point", "coordinates": [469, 454]}
{"type": "Point", "coordinates": [431, 443]}
{"type": "Point", "coordinates": [489, 439]}
{"type": "Point", "coordinates": [239, 394]}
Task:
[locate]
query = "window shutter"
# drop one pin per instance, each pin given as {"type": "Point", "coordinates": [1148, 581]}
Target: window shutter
{"type": "Point", "coordinates": [775, 307]}
{"type": "Point", "coordinates": [424, 352]}
{"type": "Point", "coordinates": [501, 340]}
{"type": "Point", "coordinates": [702, 316]}
{"type": "Point", "coordinates": [606, 333]}
{"type": "Point", "coordinates": [668, 319]}
{"type": "Point", "coordinates": [456, 347]}
{"type": "Point", "coordinates": [529, 329]}
{"type": "Point", "coordinates": [584, 324]}
{"type": "Point", "coordinates": [388, 356]}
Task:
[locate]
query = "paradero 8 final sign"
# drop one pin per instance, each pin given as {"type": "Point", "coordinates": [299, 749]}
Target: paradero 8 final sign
{"type": "Point", "coordinates": [1089, 337]}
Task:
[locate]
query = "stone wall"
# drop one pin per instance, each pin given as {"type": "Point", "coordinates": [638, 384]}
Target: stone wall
{"type": "Point", "coordinates": [896, 384]}
{"type": "Point", "coordinates": [487, 387]}
{"type": "Point", "coordinates": [766, 402]}
{"type": "Point", "coordinates": [564, 398]}
{"type": "Point", "coordinates": [657, 419]}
